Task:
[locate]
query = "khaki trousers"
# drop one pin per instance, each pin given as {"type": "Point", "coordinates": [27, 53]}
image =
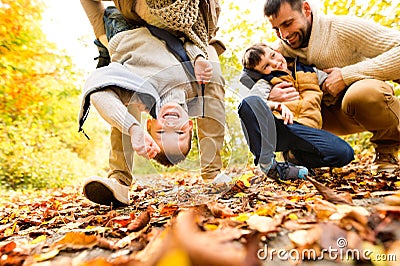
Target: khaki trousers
{"type": "Point", "coordinates": [367, 105]}
{"type": "Point", "coordinates": [211, 127]}
{"type": "Point", "coordinates": [211, 130]}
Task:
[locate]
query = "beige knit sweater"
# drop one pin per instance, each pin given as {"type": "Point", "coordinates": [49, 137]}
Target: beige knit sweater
{"type": "Point", "coordinates": [95, 9]}
{"type": "Point", "coordinates": [362, 49]}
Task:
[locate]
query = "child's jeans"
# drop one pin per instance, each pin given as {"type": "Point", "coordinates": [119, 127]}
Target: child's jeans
{"type": "Point", "coordinates": [311, 147]}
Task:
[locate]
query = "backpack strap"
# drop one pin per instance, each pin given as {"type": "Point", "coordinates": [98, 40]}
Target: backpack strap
{"type": "Point", "coordinates": [175, 45]}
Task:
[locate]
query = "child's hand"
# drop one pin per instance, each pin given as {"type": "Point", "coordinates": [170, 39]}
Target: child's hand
{"type": "Point", "coordinates": [202, 70]}
{"type": "Point", "coordinates": [142, 143]}
{"type": "Point", "coordinates": [286, 114]}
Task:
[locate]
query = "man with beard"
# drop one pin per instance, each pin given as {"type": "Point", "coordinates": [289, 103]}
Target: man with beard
{"type": "Point", "coordinates": [359, 57]}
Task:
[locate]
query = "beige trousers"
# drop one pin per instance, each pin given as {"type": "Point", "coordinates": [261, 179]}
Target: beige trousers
{"type": "Point", "coordinates": [367, 105]}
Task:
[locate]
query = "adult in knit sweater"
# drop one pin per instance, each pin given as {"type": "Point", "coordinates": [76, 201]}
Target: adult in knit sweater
{"type": "Point", "coordinates": [359, 57]}
{"type": "Point", "coordinates": [195, 23]}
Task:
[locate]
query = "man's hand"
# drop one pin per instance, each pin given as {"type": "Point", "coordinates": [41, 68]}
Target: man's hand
{"type": "Point", "coordinates": [142, 143]}
{"type": "Point", "coordinates": [202, 70]}
{"type": "Point", "coordinates": [283, 92]}
{"type": "Point", "coordinates": [334, 83]}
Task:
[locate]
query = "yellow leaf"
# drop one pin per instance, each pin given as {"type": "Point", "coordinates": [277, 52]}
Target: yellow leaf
{"type": "Point", "coordinates": [46, 256]}
{"type": "Point", "coordinates": [8, 232]}
{"type": "Point", "coordinates": [210, 227]}
{"type": "Point", "coordinates": [374, 252]}
{"type": "Point", "coordinates": [39, 239]}
{"type": "Point", "coordinates": [174, 257]}
{"type": "Point", "coordinates": [267, 210]}
{"type": "Point", "coordinates": [293, 217]}
{"type": "Point", "coordinates": [245, 179]}
{"type": "Point", "coordinates": [243, 217]}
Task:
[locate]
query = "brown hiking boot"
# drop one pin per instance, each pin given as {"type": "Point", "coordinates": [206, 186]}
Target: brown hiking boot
{"type": "Point", "coordinates": [385, 162]}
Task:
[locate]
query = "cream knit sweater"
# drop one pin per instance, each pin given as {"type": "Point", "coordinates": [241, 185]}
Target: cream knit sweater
{"type": "Point", "coordinates": [362, 49]}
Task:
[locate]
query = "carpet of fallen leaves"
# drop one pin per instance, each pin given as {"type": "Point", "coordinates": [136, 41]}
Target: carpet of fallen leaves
{"type": "Point", "coordinates": [338, 216]}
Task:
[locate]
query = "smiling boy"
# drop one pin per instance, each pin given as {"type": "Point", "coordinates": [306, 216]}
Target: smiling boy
{"type": "Point", "coordinates": [172, 126]}
{"type": "Point", "coordinates": [274, 69]}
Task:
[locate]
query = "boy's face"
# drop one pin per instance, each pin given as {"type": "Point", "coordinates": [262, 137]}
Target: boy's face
{"type": "Point", "coordinates": [271, 60]}
{"type": "Point", "coordinates": [171, 130]}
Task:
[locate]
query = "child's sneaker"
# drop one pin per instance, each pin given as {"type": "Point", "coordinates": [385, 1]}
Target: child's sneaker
{"type": "Point", "coordinates": [285, 171]}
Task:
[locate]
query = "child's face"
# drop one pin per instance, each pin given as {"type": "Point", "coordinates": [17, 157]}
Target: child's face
{"type": "Point", "coordinates": [171, 130]}
{"type": "Point", "coordinates": [271, 60]}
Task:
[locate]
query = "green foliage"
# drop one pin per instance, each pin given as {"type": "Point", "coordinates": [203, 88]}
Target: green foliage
{"type": "Point", "coordinates": [33, 158]}
{"type": "Point", "coordinates": [39, 103]}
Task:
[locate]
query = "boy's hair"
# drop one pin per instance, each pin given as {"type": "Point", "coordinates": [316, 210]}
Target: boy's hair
{"type": "Point", "coordinates": [271, 7]}
{"type": "Point", "coordinates": [173, 159]}
{"type": "Point", "coordinates": [252, 55]}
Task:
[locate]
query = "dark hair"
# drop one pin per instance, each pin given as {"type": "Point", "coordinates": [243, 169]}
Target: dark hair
{"type": "Point", "coordinates": [252, 55]}
{"type": "Point", "coordinates": [173, 159]}
{"type": "Point", "coordinates": [272, 7]}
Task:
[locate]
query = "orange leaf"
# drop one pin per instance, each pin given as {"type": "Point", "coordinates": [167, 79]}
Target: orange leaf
{"type": "Point", "coordinates": [141, 221]}
{"type": "Point", "coordinates": [169, 210]}
{"type": "Point", "coordinates": [8, 247]}
{"type": "Point", "coordinates": [76, 240]}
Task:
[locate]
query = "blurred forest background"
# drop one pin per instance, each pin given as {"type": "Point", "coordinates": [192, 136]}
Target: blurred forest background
{"type": "Point", "coordinates": [40, 95]}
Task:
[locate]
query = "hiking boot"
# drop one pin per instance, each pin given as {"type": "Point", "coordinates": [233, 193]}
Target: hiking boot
{"type": "Point", "coordinates": [106, 191]}
{"type": "Point", "coordinates": [104, 56]}
{"type": "Point", "coordinates": [385, 162]}
{"type": "Point", "coordinates": [284, 171]}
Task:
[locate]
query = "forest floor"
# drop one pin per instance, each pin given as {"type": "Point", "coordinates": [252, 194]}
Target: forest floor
{"type": "Point", "coordinates": [339, 216]}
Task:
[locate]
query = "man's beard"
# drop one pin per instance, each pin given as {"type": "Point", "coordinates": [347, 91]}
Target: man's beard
{"type": "Point", "coordinates": [303, 37]}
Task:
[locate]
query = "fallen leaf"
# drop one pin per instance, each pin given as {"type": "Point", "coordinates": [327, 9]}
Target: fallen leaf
{"type": "Point", "coordinates": [39, 239]}
{"type": "Point", "coordinates": [393, 200]}
{"type": "Point", "coordinates": [46, 256]}
{"type": "Point", "coordinates": [220, 211]}
{"type": "Point", "coordinates": [262, 224]}
{"type": "Point", "coordinates": [169, 209]}
{"type": "Point", "coordinates": [331, 195]}
{"type": "Point", "coordinates": [6, 248]}
{"type": "Point", "coordinates": [75, 240]}
{"type": "Point", "coordinates": [305, 238]}
{"type": "Point", "coordinates": [141, 221]}
{"type": "Point", "coordinates": [204, 250]}
{"type": "Point", "coordinates": [121, 221]}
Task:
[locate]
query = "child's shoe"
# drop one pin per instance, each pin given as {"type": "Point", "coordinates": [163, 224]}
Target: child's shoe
{"type": "Point", "coordinates": [284, 171]}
